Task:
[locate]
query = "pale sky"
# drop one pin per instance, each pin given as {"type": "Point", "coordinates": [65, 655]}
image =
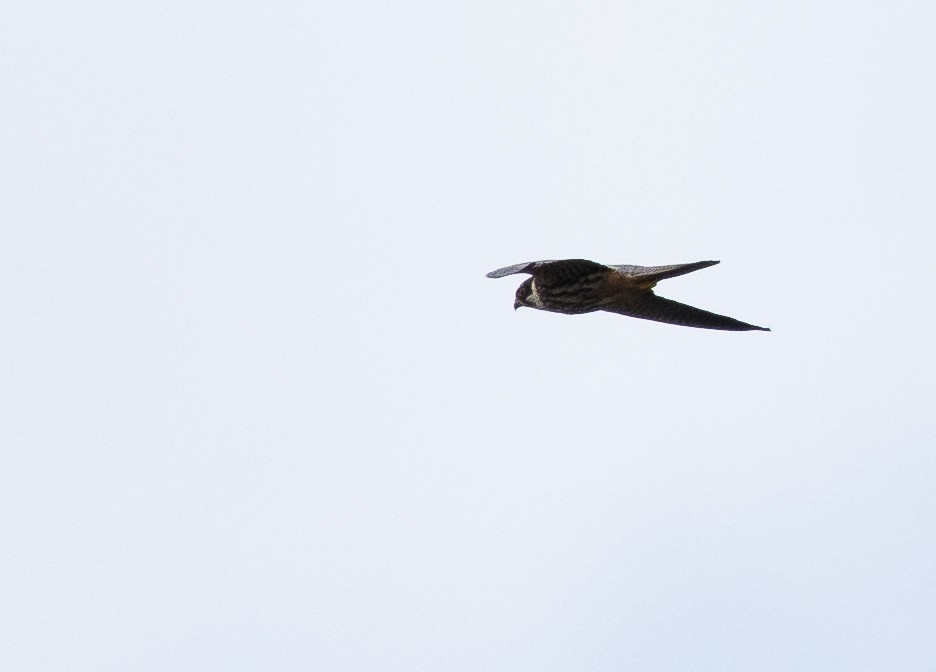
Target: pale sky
{"type": "Point", "coordinates": [260, 409]}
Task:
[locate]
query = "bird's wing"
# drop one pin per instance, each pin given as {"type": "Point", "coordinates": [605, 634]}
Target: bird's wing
{"type": "Point", "coordinates": [525, 267]}
{"type": "Point", "coordinates": [649, 306]}
{"type": "Point", "coordinates": [562, 267]}
{"type": "Point", "coordinates": [654, 274]}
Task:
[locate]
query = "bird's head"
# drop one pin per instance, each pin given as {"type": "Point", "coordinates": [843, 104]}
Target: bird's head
{"type": "Point", "coordinates": [526, 295]}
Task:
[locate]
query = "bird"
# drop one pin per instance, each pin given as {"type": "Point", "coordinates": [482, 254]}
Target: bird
{"type": "Point", "coordinates": [576, 286]}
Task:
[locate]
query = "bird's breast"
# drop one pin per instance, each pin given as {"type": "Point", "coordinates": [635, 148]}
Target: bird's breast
{"type": "Point", "coordinates": [534, 297]}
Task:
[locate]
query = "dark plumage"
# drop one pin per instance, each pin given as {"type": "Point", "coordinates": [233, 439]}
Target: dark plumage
{"type": "Point", "coordinates": [574, 286]}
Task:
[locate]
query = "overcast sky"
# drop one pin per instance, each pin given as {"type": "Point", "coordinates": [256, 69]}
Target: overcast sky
{"type": "Point", "coordinates": [260, 409]}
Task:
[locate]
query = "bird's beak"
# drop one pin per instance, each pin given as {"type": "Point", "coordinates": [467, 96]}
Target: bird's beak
{"type": "Point", "coordinates": [517, 304]}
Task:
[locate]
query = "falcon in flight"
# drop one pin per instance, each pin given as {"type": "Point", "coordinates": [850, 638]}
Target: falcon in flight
{"type": "Point", "coordinates": [574, 286]}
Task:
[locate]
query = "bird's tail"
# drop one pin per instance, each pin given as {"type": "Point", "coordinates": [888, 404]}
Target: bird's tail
{"type": "Point", "coordinates": [650, 275]}
{"type": "Point", "coordinates": [657, 273]}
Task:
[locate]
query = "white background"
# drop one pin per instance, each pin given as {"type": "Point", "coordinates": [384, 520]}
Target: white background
{"type": "Point", "coordinates": [261, 410]}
